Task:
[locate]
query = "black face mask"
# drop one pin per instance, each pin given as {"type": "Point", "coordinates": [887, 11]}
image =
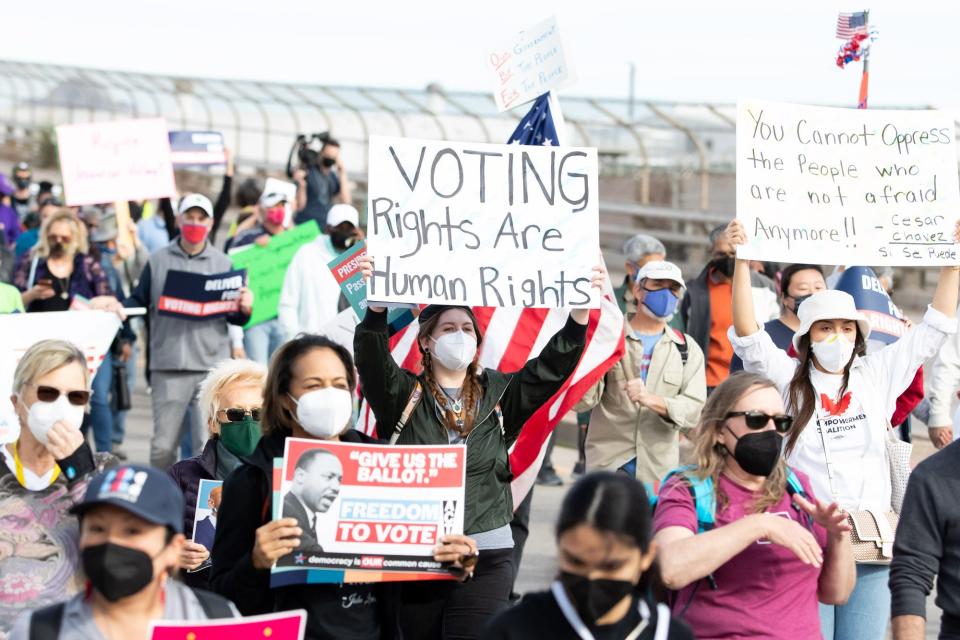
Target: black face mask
{"type": "Point", "coordinates": [57, 249]}
{"type": "Point", "coordinates": [327, 162]}
{"type": "Point", "coordinates": [797, 300]}
{"type": "Point", "coordinates": [116, 571]}
{"type": "Point", "coordinates": [757, 452]}
{"type": "Point", "coordinates": [22, 183]}
{"type": "Point", "coordinates": [724, 265]}
{"type": "Point", "coordinates": [593, 598]}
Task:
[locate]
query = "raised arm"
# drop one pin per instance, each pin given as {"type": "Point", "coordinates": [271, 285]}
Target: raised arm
{"type": "Point", "coordinates": [744, 315]}
{"type": "Point", "coordinates": [945, 297]}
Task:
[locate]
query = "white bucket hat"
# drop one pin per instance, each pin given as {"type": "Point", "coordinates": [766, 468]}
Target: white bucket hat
{"type": "Point", "coordinates": [829, 304]}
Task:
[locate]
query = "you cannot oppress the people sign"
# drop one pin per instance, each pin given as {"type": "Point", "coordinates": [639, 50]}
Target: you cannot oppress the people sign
{"type": "Point", "coordinates": [482, 224]}
{"type": "Point", "coordinates": [846, 186]}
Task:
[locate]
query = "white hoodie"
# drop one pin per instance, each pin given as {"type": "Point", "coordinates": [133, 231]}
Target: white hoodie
{"type": "Point", "coordinates": [308, 300]}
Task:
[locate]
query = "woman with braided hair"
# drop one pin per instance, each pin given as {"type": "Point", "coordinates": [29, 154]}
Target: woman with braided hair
{"type": "Point", "coordinates": [456, 401]}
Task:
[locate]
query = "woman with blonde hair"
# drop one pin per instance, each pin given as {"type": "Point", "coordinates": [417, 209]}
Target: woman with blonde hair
{"type": "Point", "coordinates": [42, 474]}
{"type": "Point", "coordinates": [231, 401]}
{"type": "Point", "coordinates": [59, 269]}
{"type": "Point", "coordinates": [742, 538]}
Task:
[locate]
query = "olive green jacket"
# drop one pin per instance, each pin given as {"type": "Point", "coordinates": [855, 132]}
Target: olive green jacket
{"type": "Point", "coordinates": [387, 387]}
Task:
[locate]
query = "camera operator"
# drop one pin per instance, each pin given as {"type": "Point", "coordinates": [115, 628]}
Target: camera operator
{"type": "Point", "coordinates": [321, 179]}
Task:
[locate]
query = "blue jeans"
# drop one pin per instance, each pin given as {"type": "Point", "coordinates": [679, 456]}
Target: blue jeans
{"type": "Point", "coordinates": [260, 341]}
{"type": "Point", "coordinates": [866, 614]}
{"type": "Point", "coordinates": [101, 413]}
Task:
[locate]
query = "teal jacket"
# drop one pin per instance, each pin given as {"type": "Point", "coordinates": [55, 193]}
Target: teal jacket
{"type": "Point", "coordinates": [387, 387]}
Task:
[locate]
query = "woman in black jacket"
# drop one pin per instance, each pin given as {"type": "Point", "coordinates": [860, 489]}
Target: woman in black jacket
{"type": "Point", "coordinates": [309, 394]}
{"type": "Point", "coordinates": [455, 401]}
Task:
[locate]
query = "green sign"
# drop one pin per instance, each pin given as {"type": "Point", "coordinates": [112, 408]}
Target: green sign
{"type": "Point", "coordinates": [266, 267]}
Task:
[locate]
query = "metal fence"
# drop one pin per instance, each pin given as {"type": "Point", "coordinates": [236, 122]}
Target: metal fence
{"type": "Point", "coordinates": [665, 166]}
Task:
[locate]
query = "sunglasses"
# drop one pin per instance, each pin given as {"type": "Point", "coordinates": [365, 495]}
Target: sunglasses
{"type": "Point", "coordinates": [50, 394]}
{"type": "Point", "coordinates": [235, 414]}
{"type": "Point", "coordinates": [757, 420]}
{"type": "Point", "coordinates": [53, 238]}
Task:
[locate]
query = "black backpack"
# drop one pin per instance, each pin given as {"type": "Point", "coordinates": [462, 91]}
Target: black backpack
{"type": "Point", "coordinates": [45, 623]}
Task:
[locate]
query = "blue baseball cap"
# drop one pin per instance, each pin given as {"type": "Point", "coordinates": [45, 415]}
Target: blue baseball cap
{"type": "Point", "coordinates": [145, 492]}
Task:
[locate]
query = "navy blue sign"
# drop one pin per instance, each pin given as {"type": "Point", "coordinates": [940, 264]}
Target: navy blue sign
{"type": "Point", "coordinates": [886, 320]}
{"type": "Point", "coordinates": [196, 296]}
{"type": "Point", "coordinates": [196, 148]}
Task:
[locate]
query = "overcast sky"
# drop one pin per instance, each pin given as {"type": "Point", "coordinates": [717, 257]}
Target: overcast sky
{"type": "Point", "coordinates": [699, 51]}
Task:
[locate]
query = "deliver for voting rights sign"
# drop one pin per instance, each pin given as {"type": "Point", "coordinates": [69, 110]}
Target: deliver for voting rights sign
{"type": "Point", "coordinates": [196, 148]}
{"type": "Point", "coordinates": [491, 225]}
{"type": "Point", "coordinates": [119, 160]}
{"type": "Point", "coordinates": [285, 625]}
{"type": "Point", "coordinates": [91, 331]}
{"type": "Point", "coordinates": [198, 296]}
{"type": "Point", "coordinates": [871, 299]}
{"type": "Point", "coordinates": [529, 65]}
{"type": "Point", "coordinates": [846, 186]}
{"type": "Point", "coordinates": [369, 513]}
{"type": "Point", "coordinates": [266, 267]}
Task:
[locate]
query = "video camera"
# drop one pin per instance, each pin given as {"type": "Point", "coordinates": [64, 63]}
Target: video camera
{"type": "Point", "coordinates": [307, 150]}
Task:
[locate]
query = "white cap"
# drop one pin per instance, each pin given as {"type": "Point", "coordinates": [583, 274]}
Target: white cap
{"type": "Point", "coordinates": [829, 304]}
{"type": "Point", "coordinates": [196, 201]}
{"type": "Point", "coordinates": [343, 213]}
{"type": "Point", "coordinates": [660, 270]}
{"type": "Point", "coordinates": [272, 199]}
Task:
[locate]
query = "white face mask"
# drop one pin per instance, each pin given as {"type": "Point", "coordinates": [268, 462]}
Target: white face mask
{"type": "Point", "coordinates": [455, 350]}
{"type": "Point", "coordinates": [43, 415]}
{"type": "Point", "coordinates": [833, 353]}
{"type": "Point", "coordinates": [324, 413]}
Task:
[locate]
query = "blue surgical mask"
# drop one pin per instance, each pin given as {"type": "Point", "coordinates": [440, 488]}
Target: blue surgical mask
{"type": "Point", "coordinates": [662, 303]}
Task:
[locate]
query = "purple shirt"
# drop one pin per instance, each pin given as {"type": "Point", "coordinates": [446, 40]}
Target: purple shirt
{"type": "Point", "coordinates": [88, 280]}
{"type": "Point", "coordinates": [9, 224]}
{"type": "Point", "coordinates": [765, 591]}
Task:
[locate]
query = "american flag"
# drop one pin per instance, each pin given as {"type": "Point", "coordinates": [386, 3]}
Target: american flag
{"type": "Point", "coordinates": [512, 336]}
{"type": "Point", "coordinates": [850, 24]}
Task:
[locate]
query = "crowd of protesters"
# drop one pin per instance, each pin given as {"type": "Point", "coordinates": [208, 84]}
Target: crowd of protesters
{"type": "Point", "coordinates": [722, 457]}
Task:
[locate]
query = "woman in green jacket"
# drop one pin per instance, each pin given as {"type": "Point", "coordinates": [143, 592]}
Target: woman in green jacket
{"type": "Point", "coordinates": [456, 401]}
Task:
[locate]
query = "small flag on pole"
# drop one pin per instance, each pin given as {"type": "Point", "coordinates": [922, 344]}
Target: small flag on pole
{"type": "Point", "coordinates": [850, 24]}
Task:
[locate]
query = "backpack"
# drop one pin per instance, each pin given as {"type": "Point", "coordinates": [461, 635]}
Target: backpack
{"type": "Point", "coordinates": [45, 623]}
{"type": "Point", "coordinates": [704, 501]}
{"type": "Point", "coordinates": [682, 346]}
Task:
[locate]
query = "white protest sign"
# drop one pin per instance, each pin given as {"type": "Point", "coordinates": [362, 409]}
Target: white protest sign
{"type": "Point", "coordinates": [110, 161]}
{"type": "Point", "coordinates": [846, 186]}
{"type": "Point", "coordinates": [482, 224]}
{"type": "Point", "coordinates": [529, 65]}
{"type": "Point", "coordinates": [92, 331]}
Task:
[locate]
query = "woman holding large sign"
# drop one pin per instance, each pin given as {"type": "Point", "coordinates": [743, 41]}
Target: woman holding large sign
{"type": "Point", "coordinates": [842, 400]}
{"type": "Point", "coordinates": [454, 401]}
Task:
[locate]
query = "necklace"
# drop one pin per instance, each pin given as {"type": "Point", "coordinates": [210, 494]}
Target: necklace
{"type": "Point", "coordinates": [18, 467]}
{"type": "Point", "coordinates": [456, 406]}
{"type": "Point", "coordinates": [64, 287]}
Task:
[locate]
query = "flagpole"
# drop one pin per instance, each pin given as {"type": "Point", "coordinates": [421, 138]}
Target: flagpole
{"type": "Point", "coordinates": [865, 78]}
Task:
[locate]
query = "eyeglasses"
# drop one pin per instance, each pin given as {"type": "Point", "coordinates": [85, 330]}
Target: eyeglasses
{"type": "Point", "coordinates": [53, 239]}
{"type": "Point", "coordinates": [236, 414]}
{"type": "Point", "coordinates": [757, 420]}
{"type": "Point", "coordinates": [50, 394]}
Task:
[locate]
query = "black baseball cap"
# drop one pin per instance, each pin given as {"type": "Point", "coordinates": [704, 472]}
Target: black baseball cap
{"type": "Point", "coordinates": [432, 310]}
{"type": "Point", "coordinates": [145, 492]}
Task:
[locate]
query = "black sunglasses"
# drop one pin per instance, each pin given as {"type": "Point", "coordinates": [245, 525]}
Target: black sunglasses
{"type": "Point", "coordinates": [757, 420]}
{"type": "Point", "coordinates": [235, 414]}
{"type": "Point", "coordinates": [50, 394]}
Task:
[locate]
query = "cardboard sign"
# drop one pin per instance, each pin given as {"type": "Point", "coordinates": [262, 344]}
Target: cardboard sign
{"type": "Point", "coordinates": [266, 267]}
{"type": "Point", "coordinates": [205, 516]}
{"type": "Point", "coordinates": [871, 299]}
{"type": "Point", "coordinates": [489, 225]}
{"type": "Point", "coordinates": [199, 296]}
{"type": "Point", "coordinates": [378, 511]}
{"type": "Point", "coordinates": [529, 65]}
{"type": "Point", "coordinates": [286, 625]}
{"type": "Point", "coordinates": [196, 148]}
{"type": "Point", "coordinates": [92, 331]}
{"type": "Point", "coordinates": [847, 186]}
{"type": "Point", "coordinates": [119, 160]}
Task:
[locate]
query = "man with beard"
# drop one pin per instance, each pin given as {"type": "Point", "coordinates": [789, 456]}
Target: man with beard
{"type": "Point", "coordinates": [310, 297]}
{"type": "Point", "coordinates": [316, 485]}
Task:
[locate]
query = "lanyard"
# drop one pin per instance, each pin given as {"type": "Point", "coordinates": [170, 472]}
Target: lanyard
{"type": "Point", "coordinates": [18, 468]}
{"type": "Point", "coordinates": [560, 594]}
